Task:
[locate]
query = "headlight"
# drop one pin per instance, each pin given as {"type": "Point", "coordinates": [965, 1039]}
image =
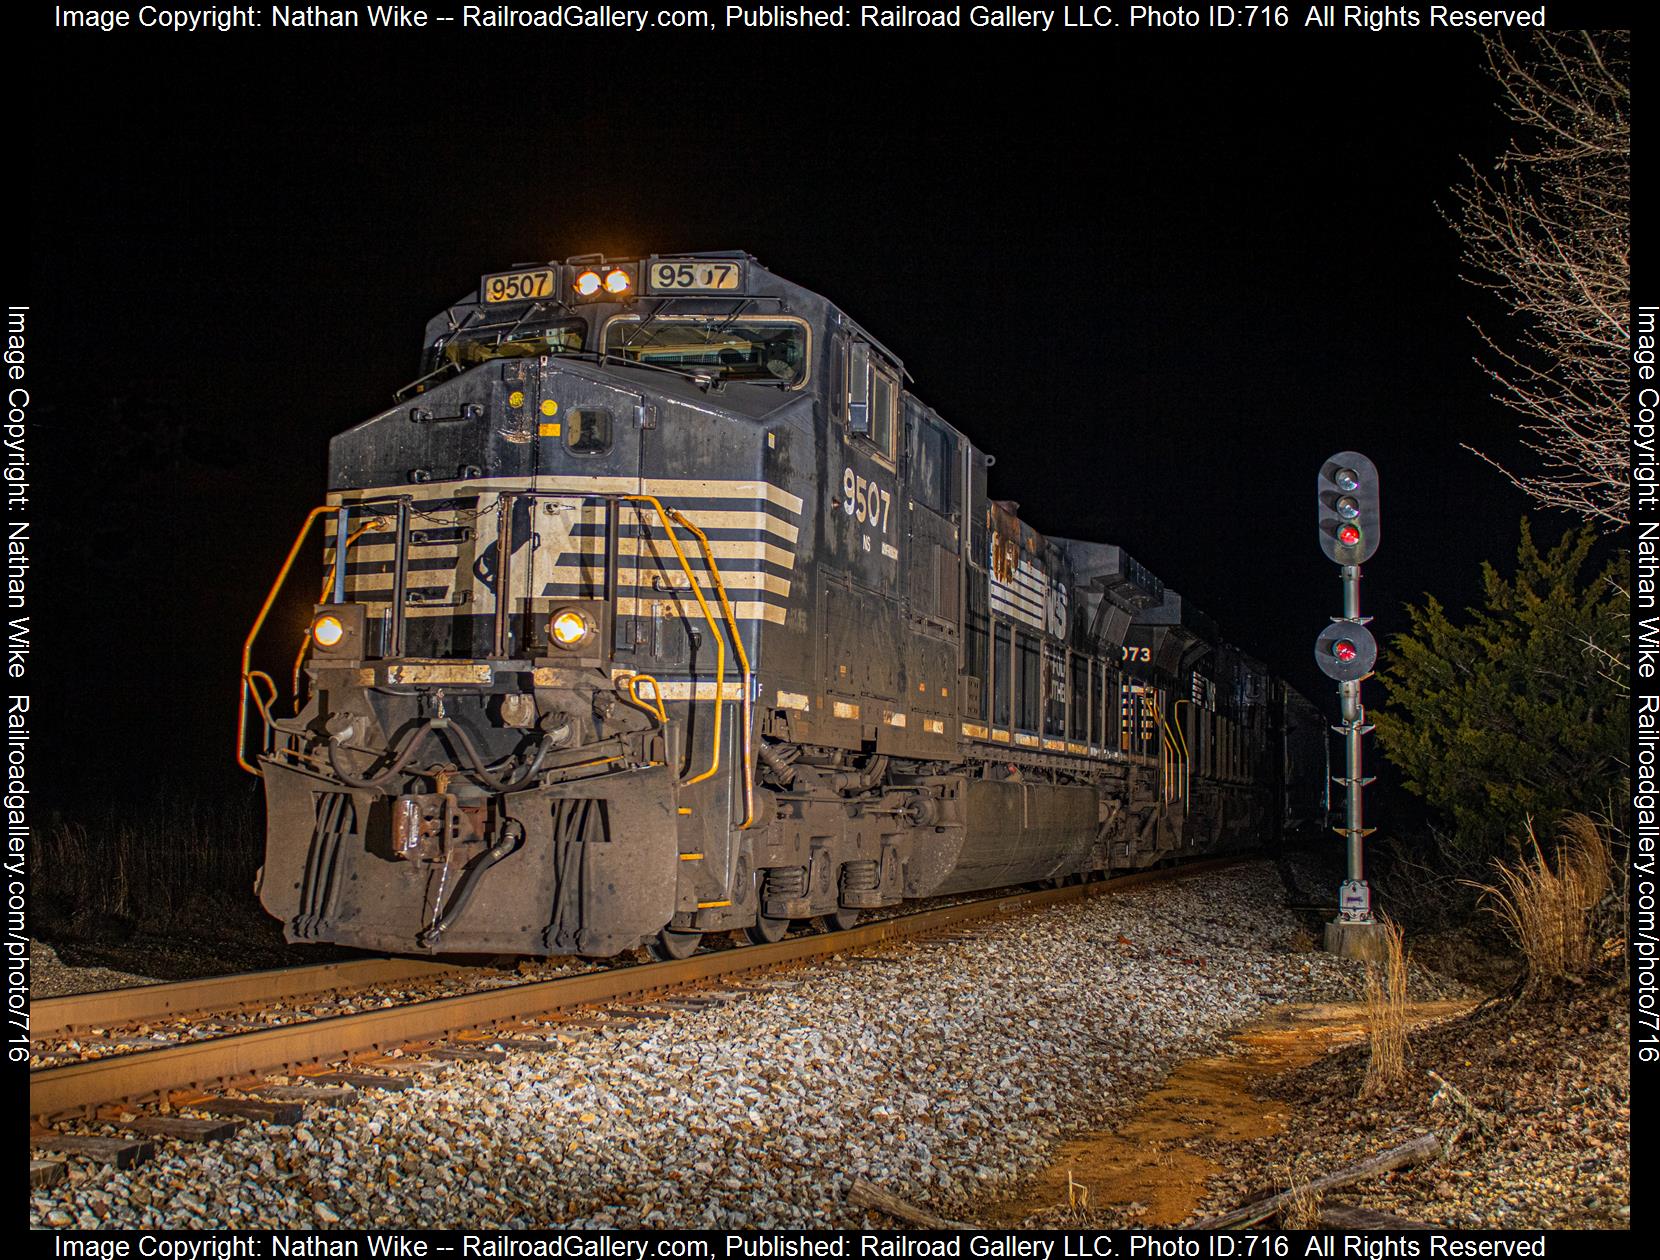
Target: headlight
{"type": "Point", "coordinates": [617, 281]}
{"type": "Point", "coordinates": [327, 630]}
{"type": "Point", "coordinates": [588, 283]}
{"type": "Point", "coordinates": [569, 628]}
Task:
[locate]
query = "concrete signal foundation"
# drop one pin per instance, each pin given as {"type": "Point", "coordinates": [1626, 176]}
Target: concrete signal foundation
{"type": "Point", "coordinates": [1364, 941]}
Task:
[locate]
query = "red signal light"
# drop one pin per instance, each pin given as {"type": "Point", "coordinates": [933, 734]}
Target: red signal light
{"type": "Point", "coordinates": [1344, 650]}
{"type": "Point", "coordinates": [1349, 535]}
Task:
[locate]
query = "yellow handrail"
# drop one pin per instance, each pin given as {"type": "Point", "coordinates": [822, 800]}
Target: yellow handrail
{"type": "Point", "coordinates": [1187, 754]}
{"type": "Point", "coordinates": [743, 663]}
{"type": "Point", "coordinates": [1171, 748]}
{"type": "Point", "coordinates": [632, 682]}
{"type": "Point", "coordinates": [1153, 716]}
{"type": "Point", "coordinates": [714, 629]}
{"type": "Point", "coordinates": [248, 644]}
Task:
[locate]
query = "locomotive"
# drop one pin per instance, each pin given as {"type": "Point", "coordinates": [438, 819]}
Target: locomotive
{"type": "Point", "coordinates": [659, 606]}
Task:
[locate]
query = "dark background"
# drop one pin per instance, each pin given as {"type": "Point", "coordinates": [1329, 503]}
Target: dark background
{"type": "Point", "coordinates": [1159, 276]}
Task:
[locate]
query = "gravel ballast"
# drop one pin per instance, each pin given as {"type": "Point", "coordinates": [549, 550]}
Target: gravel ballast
{"type": "Point", "coordinates": [942, 1072]}
{"type": "Point", "coordinates": [50, 976]}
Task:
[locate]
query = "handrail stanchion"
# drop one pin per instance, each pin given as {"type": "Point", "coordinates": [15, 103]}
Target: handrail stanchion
{"type": "Point", "coordinates": [248, 645]}
{"type": "Point", "coordinates": [504, 573]}
{"type": "Point", "coordinates": [400, 580]}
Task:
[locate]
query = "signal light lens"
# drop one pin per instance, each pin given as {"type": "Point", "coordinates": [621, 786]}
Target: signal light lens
{"type": "Point", "coordinates": [1347, 479]}
{"type": "Point", "coordinates": [327, 630]}
{"type": "Point", "coordinates": [1344, 650]}
{"type": "Point", "coordinates": [568, 628]}
{"type": "Point", "coordinates": [588, 283]}
{"type": "Point", "coordinates": [1347, 508]}
{"type": "Point", "coordinates": [1349, 535]}
{"type": "Point", "coordinates": [617, 281]}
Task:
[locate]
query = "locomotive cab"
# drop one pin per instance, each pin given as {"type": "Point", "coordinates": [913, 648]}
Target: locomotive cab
{"type": "Point", "coordinates": [658, 606]}
{"type": "Point", "coordinates": [526, 701]}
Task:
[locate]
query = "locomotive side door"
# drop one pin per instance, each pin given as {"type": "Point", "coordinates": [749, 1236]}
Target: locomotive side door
{"type": "Point", "coordinates": [864, 552]}
{"type": "Point", "coordinates": [932, 594]}
{"type": "Point", "coordinates": [584, 433]}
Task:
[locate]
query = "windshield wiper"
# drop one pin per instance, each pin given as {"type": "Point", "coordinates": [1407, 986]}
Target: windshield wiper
{"type": "Point", "coordinates": [414, 386]}
{"type": "Point", "coordinates": [605, 358]}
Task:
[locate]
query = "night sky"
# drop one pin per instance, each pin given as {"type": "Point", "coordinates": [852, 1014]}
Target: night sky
{"type": "Point", "coordinates": [1159, 277]}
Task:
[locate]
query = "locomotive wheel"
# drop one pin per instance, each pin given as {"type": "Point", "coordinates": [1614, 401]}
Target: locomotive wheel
{"type": "Point", "coordinates": [673, 946]}
{"type": "Point", "coordinates": [765, 931]}
{"type": "Point", "coordinates": [840, 921]}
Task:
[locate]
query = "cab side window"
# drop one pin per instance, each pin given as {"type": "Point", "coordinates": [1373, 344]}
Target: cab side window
{"type": "Point", "coordinates": [933, 458]}
{"type": "Point", "coordinates": [872, 400]}
{"type": "Point", "coordinates": [884, 408]}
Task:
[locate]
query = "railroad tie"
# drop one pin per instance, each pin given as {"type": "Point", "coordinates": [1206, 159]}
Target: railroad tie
{"type": "Point", "coordinates": [126, 1043]}
{"type": "Point", "coordinates": [46, 1172]}
{"type": "Point", "coordinates": [366, 1080]}
{"type": "Point", "coordinates": [577, 1024]}
{"type": "Point", "coordinates": [406, 1065]}
{"type": "Point", "coordinates": [184, 1128]}
{"type": "Point", "coordinates": [304, 1093]}
{"type": "Point", "coordinates": [564, 1034]}
{"type": "Point", "coordinates": [465, 1054]}
{"type": "Point", "coordinates": [117, 1152]}
{"type": "Point", "coordinates": [251, 1109]}
{"type": "Point", "coordinates": [533, 1045]}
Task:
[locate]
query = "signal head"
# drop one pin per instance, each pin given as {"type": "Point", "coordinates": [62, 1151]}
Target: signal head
{"type": "Point", "coordinates": [1348, 507]}
{"type": "Point", "coordinates": [1346, 651]}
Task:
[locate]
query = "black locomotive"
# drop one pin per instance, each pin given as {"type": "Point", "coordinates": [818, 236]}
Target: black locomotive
{"type": "Point", "coordinates": [659, 606]}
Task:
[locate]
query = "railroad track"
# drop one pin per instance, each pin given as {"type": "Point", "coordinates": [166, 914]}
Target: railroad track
{"type": "Point", "coordinates": [174, 1077]}
{"type": "Point", "coordinates": [142, 1004]}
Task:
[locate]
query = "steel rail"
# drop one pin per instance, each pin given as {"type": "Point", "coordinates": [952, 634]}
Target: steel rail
{"type": "Point", "coordinates": [141, 1003]}
{"type": "Point", "coordinates": [80, 1088]}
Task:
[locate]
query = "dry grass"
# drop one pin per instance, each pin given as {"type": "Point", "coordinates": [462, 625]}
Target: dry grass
{"type": "Point", "coordinates": [1077, 1194]}
{"type": "Point", "coordinates": [1386, 1013]}
{"type": "Point", "coordinates": [1302, 1209]}
{"type": "Point", "coordinates": [1549, 909]}
{"type": "Point", "coordinates": [176, 862]}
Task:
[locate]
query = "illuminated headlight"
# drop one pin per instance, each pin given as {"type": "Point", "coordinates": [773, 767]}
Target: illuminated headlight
{"type": "Point", "coordinates": [617, 281]}
{"type": "Point", "coordinates": [588, 283]}
{"type": "Point", "coordinates": [327, 630]}
{"type": "Point", "coordinates": [569, 628]}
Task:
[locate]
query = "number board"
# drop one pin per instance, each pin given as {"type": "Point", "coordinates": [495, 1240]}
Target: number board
{"type": "Point", "coordinates": [694, 275]}
{"type": "Point", "coordinates": [517, 286]}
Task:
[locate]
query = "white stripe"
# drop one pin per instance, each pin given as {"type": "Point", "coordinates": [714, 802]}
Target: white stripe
{"type": "Point", "coordinates": [483, 525]}
{"type": "Point", "coordinates": [742, 609]}
{"type": "Point", "coordinates": [743, 580]}
{"type": "Point", "coordinates": [664, 488]}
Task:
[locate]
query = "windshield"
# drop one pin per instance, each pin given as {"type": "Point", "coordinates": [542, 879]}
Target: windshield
{"type": "Point", "coordinates": [472, 346]}
{"type": "Point", "coordinates": [773, 350]}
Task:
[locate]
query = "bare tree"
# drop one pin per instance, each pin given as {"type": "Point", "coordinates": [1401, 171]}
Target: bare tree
{"type": "Point", "coordinates": [1549, 232]}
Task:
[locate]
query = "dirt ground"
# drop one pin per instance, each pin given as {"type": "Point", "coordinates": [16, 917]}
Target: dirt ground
{"type": "Point", "coordinates": [1537, 1093]}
